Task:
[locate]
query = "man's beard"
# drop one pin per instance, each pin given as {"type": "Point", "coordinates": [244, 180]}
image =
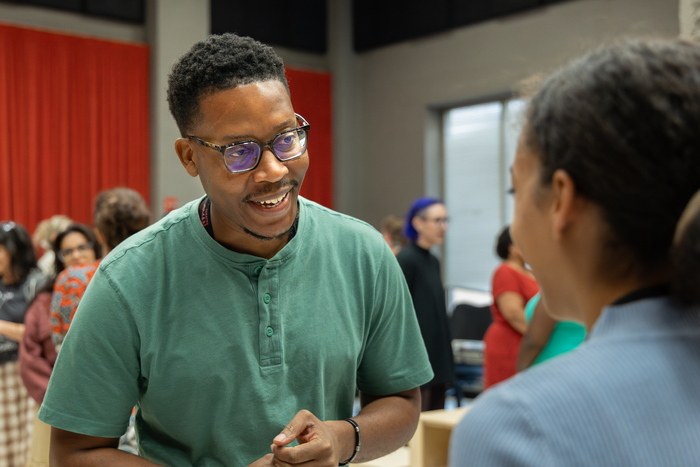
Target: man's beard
{"type": "Point", "coordinates": [264, 238]}
{"type": "Point", "coordinates": [292, 228]}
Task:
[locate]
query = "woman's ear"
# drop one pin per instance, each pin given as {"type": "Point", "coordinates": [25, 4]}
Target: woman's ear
{"type": "Point", "coordinates": [187, 155]}
{"type": "Point", "coordinates": [567, 204]}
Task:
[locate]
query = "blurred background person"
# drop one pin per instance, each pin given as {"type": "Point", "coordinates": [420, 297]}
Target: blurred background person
{"type": "Point", "coordinates": [43, 239]}
{"type": "Point", "coordinates": [392, 230]}
{"type": "Point", "coordinates": [546, 337]}
{"type": "Point", "coordinates": [119, 213]}
{"type": "Point", "coordinates": [424, 227]}
{"type": "Point", "coordinates": [20, 280]}
{"type": "Point", "coordinates": [512, 286]}
{"type": "Point", "coordinates": [75, 245]}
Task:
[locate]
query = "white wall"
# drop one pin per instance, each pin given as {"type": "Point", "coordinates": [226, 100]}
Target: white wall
{"type": "Point", "coordinates": [172, 27]}
{"type": "Point", "coordinates": [344, 65]}
{"type": "Point", "coordinates": [689, 15]}
{"type": "Point", "coordinates": [398, 85]}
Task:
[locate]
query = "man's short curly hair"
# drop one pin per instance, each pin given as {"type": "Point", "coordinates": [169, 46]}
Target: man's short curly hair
{"type": "Point", "coordinates": [218, 63]}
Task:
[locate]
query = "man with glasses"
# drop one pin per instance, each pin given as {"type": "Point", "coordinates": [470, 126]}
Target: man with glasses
{"type": "Point", "coordinates": [241, 324]}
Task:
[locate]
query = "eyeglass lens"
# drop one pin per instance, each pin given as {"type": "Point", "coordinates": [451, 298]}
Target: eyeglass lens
{"type": "Point", "coordinates": [439, 220]}
{"type": "Point", "coordinates": [69, 251]}
{"type": "Point", "coordinates": [285, 146]}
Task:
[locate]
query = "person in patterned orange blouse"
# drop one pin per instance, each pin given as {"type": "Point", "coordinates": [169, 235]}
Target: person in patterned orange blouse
{"type": "Point", "coordinates": [68, 290]}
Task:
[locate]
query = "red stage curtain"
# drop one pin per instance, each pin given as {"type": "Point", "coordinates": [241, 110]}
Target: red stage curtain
{"type": "Point", "coordinates": [74, 120]}
{"type": "Point", "coordinates": [311, 98]}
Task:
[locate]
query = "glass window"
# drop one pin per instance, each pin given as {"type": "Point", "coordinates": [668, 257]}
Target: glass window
{"type": "Point", "coordinates": [479, 147]}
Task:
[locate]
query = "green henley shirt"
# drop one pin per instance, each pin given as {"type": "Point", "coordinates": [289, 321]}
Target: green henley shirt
{"type": "Point", "coordinates": [219, 350]}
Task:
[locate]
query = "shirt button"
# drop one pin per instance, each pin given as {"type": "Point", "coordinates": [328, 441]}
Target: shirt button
{"type": "Point", "coordinates": [267, 298]}
{"type": "Point", "coordinates": [258, 270]}
{"type": "Point", "coordinates": [269, 331]}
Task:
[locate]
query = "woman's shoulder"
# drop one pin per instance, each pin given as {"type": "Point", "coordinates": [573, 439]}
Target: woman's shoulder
{"type": "Point", "coordinates": [505, 276]}
{"type": "Point", "coordinates": [76, 276]}
{"type": "Point", "coordinates": [40, 307]}
{"type": "Point", "coordinates": [524, 417]}
{"type": "Point", "coordinates": [33, 283]}
{"type": "Point", "coordinates": [582, 408]}
{"type": "Point", "coordinates": [504, 270]}
{"type": "Point", "coordinates": [522, 280]}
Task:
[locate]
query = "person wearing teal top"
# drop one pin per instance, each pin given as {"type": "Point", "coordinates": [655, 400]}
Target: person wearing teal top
{"type": "Point", "coordinates": [565, 335]}
{"type": "Point", "coordinates": [241, 325]}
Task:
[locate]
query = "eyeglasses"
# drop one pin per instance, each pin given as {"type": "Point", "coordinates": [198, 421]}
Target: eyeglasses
{"type": "Point", "coordinates": [245, 155]}
{"type": "Point", "coordinates": [64, 254]}
{"type": "Point", "coordinates": [441, 221]}
{"type": "Point", "coordinates": [7, 226]}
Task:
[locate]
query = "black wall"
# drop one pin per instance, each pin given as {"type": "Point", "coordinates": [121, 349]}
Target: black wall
{"type": "Point", "coordinates": [381, 22]}
{"type": "Point", "coordinates": [131, 11]}
{"type": "Point", "coordinates": [297, 24]}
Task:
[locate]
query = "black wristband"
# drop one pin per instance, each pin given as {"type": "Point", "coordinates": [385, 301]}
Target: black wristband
{"type": "Point", "coordinates": [358, 441]}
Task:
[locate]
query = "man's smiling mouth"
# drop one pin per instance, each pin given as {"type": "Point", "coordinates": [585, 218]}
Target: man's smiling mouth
{"type": "Point", "coordinates": [271, 203]}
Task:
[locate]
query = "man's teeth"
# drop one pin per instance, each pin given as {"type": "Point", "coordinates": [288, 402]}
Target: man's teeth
{"type": "Point", "coordinates": [271, 202]}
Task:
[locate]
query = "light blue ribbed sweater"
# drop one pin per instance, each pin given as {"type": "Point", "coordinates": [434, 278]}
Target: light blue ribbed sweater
{"type": "Point", "coordinates": [629, 396]}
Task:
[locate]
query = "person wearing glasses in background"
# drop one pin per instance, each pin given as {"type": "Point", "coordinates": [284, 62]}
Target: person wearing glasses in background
{"type": "Point", "coordinates": [425, 226]}
{"type": "Point", "coordinates": [76, 245]}
{"type": "Point", "coordinates": [226, 319]}
{"type": "Point", "coordinates": [77, 248]}
{"type": "Point", "coordinates": [20, 280]}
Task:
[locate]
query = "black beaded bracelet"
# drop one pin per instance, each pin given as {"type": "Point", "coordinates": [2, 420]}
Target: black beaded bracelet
{"type": "Point", "coordinates": [358, 441]}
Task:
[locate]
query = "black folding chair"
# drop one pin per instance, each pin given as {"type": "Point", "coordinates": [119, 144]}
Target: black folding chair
{"type": "Point", "coordinates": [468, 325]}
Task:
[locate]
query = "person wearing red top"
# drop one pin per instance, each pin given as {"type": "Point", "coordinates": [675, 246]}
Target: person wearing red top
{"type": "Point", "coordinates": [512, 287]}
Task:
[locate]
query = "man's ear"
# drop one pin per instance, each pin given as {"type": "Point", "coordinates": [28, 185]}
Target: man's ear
{"type": "Point", "coordinates": [187, 155]}
{"type": "Point", "coordinates": [416, 222]}
{"type": "Point", "coordinates": [568, 204]}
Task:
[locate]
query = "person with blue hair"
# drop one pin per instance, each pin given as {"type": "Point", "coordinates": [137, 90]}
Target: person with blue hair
{"type": "Point", "coordinates": [425, 226]}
